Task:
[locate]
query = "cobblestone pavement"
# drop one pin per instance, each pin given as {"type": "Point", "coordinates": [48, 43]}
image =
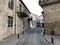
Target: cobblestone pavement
{"type": "Point", "coordinates": [32, 39]}
{"type": "Point", "coordinates": [11, 40]}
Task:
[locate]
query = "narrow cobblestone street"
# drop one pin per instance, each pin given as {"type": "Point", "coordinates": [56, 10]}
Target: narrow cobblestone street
{"type": "Point", "coordinates": [29, 22]}
{"type": "Point", "coordinates": [32, 39]}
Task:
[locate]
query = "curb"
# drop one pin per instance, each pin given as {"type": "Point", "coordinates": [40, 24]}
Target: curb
{"type": "Point", "coordinates": [46, 39]}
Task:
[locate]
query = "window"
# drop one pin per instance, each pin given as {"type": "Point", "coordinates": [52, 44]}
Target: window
{"type": "Point", "coordinates": [42, 24]}
{"type": "Point", "coordinates": [10, 4]}
{"type": "Point", "coordinates": [20, 7]}
{"type": "Point", "coordinates": [39, 1]}
{"type": "Point", "coordinates": [38, 24]}
{"type": "Point", "coordinates": [10, 21]}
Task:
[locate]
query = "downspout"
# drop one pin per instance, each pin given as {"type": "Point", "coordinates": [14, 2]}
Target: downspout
{"type": "Point", "coordinates": [14, 17]}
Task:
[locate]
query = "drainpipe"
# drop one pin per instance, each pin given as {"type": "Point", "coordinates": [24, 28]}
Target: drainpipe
{"type": "Point", "coordinates": [15, 17]}
{"type": "Point", "coordinates": [28, 26]}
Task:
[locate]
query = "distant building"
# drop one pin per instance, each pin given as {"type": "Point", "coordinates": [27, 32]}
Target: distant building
{"type": "Point", "coordinates": [35, 20]}
{"type": "Point", "coordinates": [14, 17]}
{"type": "Point", "coordinates": [42, 21]}
{"type": "Point", "coordinates": [51, 12]}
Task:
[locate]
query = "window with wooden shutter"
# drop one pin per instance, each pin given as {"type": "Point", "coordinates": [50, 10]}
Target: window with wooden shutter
{"type": "Point", "coordinates": [10, 4]}
{"type": "Point", "coordinates": [10, 21]}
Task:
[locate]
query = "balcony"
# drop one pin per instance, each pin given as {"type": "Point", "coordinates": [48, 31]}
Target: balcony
{"type": "Point", "coordinates": [29, 18]}
{"type": "Point", "coordinates": [21, 13]}
{"type": "Point", "coordinates": [47, 2]}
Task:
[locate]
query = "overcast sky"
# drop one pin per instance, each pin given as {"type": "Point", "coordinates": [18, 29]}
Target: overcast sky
{"type": "Point", "coordinates": [33, 6]}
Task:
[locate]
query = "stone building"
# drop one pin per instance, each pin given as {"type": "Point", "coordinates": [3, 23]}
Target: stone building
{"type": "Point", "coordinates": [22, 16]}
{"type": "Point", "coordinates": [14, 17]}
{"type": "Point", "coordinates": [35, 20]}
{"type": "Point", "coordinates": [41, 21]}
{"type": "Point", "coordinates": [51, 12]}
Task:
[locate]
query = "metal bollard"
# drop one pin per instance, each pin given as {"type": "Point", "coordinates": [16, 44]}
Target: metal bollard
{"type": "Point", "coordinates": [52, 40]}
{"type": "Point", "coordinates": [18, 36]}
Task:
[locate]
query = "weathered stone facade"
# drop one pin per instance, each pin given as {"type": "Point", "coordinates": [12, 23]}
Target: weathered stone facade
{"type": "Point", "coordinates": [21, 21]}
{"type": "Point", "coordinates": [51, 16]}
{"type": "Point", "coordinates": [18, 25]}
{"type": "Point", "coordinates": [4, 13]}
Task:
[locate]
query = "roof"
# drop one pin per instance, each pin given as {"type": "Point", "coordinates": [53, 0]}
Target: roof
{"type": "Point", "coordinates": [48, 2]}
{"type": "Point", "coordinates": [35, 15]}
{"type": "Point", "coordinates": [24, 5]}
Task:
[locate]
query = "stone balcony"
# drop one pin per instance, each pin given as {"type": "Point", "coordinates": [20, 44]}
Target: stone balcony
{"type": "Point", "coordinates": [48, 2]}
{"type": "Point", "coordinates": [22, 10]}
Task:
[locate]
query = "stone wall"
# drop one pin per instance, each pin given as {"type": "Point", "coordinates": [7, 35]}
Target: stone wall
{"type": "Point", "coordinates": [6, 31]}
{"type": "Point", "coordinates": [4, 13]}
{"type": "Point", "coordinates": [21, 23]}
{"type": "Point", "coordinates": [52, 18]}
